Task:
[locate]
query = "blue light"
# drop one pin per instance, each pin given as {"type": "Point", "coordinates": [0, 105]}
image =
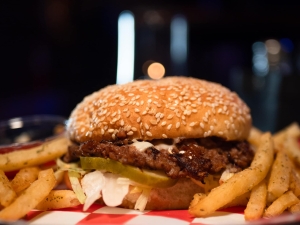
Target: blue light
{"type": "Point", "coordinates": [287, 44]}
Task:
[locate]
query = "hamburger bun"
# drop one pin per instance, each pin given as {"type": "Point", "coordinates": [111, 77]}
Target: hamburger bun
{"type": "Point", "coordinates": [157, 109]}
{"type": "Point", "coordinates": [178, 196]}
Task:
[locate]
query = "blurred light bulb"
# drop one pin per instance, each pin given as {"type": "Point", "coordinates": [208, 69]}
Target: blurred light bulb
{"type": "Point", "coordinates": [273, 46]}
{"type": "Point", "coordinates": [156, 70]}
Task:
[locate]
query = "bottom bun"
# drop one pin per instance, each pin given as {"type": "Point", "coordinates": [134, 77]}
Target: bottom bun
{"type": "Point", "coordinates": [178, 196]}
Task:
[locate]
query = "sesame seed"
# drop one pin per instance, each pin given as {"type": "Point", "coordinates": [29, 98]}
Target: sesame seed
{"type": "Point", "coordinates": [169, 126]}
{"type": "Point", "coordinates": [177, 124]}
{"type": "Point", "coordinates": [192, 124]}
{"type": "Point", "coordinates": [130, 133]}
{"type": "Point", "coordinates": [170, 116]}
{"type": "Point", "coordinates": [138, 120]}
{"type": "Point", "coordinates": [136, 110]}
{"type": "Point", "coordinates": [181, 152]}
{"type": "Point", "coordinates": [164, 136]}
{"type": "Point", "coordinates": [153, 122]}
{"type": "Point", "coordinates": [202, 125]}
{"type": "Point", "coordinates": [146, 126]}
{"type": "Point", "coordinates": [148, 133]}
{"type": "Point", "coordinates": [163, 123]}
{"type": "Point", "coordinates": [110, 130]}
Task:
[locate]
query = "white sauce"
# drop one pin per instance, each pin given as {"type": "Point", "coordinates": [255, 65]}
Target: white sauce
{"type": "Point", "coordinates": [97, 184]}
{"type": "Point", "coordinates": [142, 145]}
{"type": "Point", "coordinates": [92, 184]}
{"type": "Point", "coordinates": [164, 146]}
{"type": "Point", "coordinates": [113, 192]}
{"type": "Point", "coordinates": [226, 175]}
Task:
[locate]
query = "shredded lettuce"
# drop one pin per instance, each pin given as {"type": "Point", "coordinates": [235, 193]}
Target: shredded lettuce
{"type": "Point", "coordinates": [62, 165]}
{"type": "Point", "coordinates": [143, 199]}
{"type": "Point", "coordinates": [137, 188]}
{"type": "Point", "coordinates": [74, 180]}
{"type": "Point", "coordinates": [97, 184]}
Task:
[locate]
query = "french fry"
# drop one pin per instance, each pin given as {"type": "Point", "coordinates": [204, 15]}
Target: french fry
{"type": "Point", "coordinates": [295, 208]}
{"type": "Point", "coordinates": [7, 194]}
{"type": "Point", "coordinates": [239, 183]}
{"type": "Point", "coordinates": [59, 175]}
{"type": "Point", "coordinates": [254, 136]}
{"type": "Point", "coordinates": [279, 180]}
{"type": "Point", "coordinates": [281, 204]}
{"type": "Point", "coordinates": [270, 198]}
{"type": "Point", "coordinates": [295, 182]}
{"type": "Point", "coordinates": [36, 156]}
{"type": "Point", "coordinates": [58, 199]}
{"type": "Point", "coordinates": [197, 198]}
{"type": "Point", "coordinates": [241, 200]}
{"type": "Point", "coordinates": [257, 202]}
{"type": "Point", "coordinates": [287, 139]}
{"type": "Point", "coordinates": [292, 149]}
{"type": "Point", "coordinates": [30, 198]}
{"type": "Point", "coordinates": [24, 178]}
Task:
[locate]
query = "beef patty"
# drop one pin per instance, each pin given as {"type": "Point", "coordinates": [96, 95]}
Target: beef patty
{"type": "Point", "coordinates": [194, 158]}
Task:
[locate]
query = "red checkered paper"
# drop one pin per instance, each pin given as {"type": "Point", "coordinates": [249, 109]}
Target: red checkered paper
{"type": "Point", "coordinates": [99, 214]}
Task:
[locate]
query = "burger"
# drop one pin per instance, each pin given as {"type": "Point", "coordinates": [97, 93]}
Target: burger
{"type": "Point", "coordinates": [153, 144]}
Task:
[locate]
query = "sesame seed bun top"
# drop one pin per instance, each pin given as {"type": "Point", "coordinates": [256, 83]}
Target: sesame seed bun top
{"type": "Point", "coordinates": [156, 109]}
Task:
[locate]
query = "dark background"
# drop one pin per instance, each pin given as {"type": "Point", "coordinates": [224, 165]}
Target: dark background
{"type": "Point", "coordinates": [54, 52]}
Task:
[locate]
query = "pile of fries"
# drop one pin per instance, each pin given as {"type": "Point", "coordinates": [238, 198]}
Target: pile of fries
{"type": "Point", "coordinates": [34, 185]}
{"type": "Point", "coordinates": [269, 187]}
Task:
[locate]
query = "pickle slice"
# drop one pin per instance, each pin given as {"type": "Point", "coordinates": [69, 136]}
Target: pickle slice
{"type": "Point", "coordinates": [145, 177]}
